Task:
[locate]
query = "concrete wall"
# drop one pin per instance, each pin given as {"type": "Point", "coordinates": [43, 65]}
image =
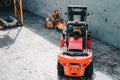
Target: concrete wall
{"type": "Point", "coordinates": [104, 19]}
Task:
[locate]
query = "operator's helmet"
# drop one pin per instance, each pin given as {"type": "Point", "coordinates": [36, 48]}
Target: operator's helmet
{"type": "Point", "coordinates": [77, 31]}
{"type": "Point", "coordinates": [77, 34]}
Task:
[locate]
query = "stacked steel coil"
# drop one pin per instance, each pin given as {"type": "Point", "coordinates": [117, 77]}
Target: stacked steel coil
{"type": "Point", "coordinates": [5, 3]}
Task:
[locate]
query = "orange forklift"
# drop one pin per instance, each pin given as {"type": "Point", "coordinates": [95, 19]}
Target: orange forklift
{"type": "Point", "coordinates": [75, 57]}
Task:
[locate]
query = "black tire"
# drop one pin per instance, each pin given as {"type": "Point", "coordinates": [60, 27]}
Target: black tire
{"type": "Point", "coordinates": [89, 70]}
{"type": "Point", "coordinates": [60, 69]}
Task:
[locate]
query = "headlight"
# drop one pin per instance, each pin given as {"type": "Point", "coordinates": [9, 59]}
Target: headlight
{"type": "Point", "coordinates": [63, 49]}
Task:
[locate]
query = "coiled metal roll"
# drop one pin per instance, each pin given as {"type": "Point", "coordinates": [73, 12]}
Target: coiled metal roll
{"type": "Point", "coordinates": [5, 3]}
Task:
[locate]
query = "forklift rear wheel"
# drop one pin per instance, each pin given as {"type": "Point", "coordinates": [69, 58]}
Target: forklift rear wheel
{"type": "Point", "coordinates": [60, 69]}
{"type": "Point", "coordinates": [89, 70]}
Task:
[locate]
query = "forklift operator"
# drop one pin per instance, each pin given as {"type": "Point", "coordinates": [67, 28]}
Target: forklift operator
{"type": "Point", "coordinates": [73, 31]}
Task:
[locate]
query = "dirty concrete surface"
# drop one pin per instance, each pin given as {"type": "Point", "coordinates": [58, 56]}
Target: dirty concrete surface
{"type": "Point", "coordinates": [30, 53]}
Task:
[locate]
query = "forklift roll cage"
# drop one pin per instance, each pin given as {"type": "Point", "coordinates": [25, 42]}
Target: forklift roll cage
{"type": "Point", "coordinates": [77, 10]}
{"type": "Point", "coordinates": [81, 25]}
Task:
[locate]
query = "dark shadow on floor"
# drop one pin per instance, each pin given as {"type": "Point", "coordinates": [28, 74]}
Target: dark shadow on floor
{"type": "Point", "coordinates": [6, 40]}
{"type": "Point", "coordinates": [37, 25]}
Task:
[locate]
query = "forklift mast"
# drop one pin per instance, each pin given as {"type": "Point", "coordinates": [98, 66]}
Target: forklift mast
{"type": "Point", "coordinates": [77, 10]}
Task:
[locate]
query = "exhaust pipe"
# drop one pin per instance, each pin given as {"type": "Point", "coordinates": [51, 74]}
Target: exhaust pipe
{"type": "Point", "coordinates": [86, 39]}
